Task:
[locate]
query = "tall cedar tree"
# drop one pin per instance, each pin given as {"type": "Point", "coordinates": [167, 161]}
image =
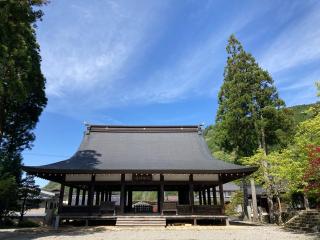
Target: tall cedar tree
{"type": "Point", "coordinates": [250, 113]}
{"type": "Point", "coordinates": [22, 88]}
{"type": "Point", "coordinates": [22, 95]}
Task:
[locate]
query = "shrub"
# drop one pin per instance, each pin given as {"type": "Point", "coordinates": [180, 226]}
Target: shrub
{"type": "Point", "coordinates": [7, 223]}
{"type": "Point", "coordinates": [27, 224]}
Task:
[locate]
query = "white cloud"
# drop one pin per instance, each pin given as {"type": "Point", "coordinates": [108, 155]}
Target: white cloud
{"type": "Point", "coordinates": [89, 49]}
{"type": "Point", "coordinates": [300, 89]}
{"type": "Point", "coordinates": [188, 75]}
{"type": "Point", "coordinates": [296, 45]}
{"type": "Point", "coordinates": [88, 58]}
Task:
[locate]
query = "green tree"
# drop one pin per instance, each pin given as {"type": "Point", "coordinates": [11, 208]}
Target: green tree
{"type": "Point", "coordinates": [28, 194]}
{"type": "Point", "coordinates": [210, 135]}
{"type": "Point", "coordinates": [296, 157]}
{"type": "Point", "coordinates": [269, 174]}
{"type": "Point", "coordinates": [22, 85]}
{"type": "Point", "coordinates": [312, 174]}
{"type": "Point", "coordinates": [288, 169]}
{"type": "Point", "coordinates": [250, 113]}
{"type": "Point", "coordinates": [8, 193]}
{"type": "Point", "coordinates": [236, 200]}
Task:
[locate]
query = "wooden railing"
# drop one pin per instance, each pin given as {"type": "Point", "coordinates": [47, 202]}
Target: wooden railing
{"type": "Point", "coordinates": [199, 209]}
{"type": "Point", "coordinates": [79, 210]}
{"type": "Point", "coordinates": [180, 210]}
{"type": "Point", "coordinates": [207, 209]}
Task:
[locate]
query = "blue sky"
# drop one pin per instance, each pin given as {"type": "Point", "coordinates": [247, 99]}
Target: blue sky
{"type": "Point", "coordinates": [161, 62]}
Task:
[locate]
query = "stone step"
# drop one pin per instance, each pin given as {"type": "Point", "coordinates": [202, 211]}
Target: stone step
{"type": "Point", "coordinates": [140, 224]}
{"type": "Point", "coordinates": [140, 221]}
{"type": "Point", "coordinates": [136, 222]}
{"type": "Point", "coordinates": [305, 221]}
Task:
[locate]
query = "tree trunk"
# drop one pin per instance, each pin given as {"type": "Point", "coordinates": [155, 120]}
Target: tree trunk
{"type": "Point", "coordinates": [3, 102]}
{"type": "Point", "coordinates": [270, 206]}
{"type": "Point", "coordinates": [245, 199]}
{"type": "Point", "coordinates": [2, 117]}
{"type": "Point", "coordinates": [22, 209]}
{"type": "Point", "coordinates": [280, 209]}
{"type": "Point", "coordinates": [266, 177]}
{"type": "Point", "coordinates": [254, 201]}
{"type": "Point", "coordinates": [306, 202]}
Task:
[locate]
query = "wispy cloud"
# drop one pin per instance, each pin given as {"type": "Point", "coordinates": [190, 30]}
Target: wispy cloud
{"type": "Point", "coordinates": [96, 58]}
{"type": "Point", "coordinates": [301, 88]}
{"type": "Point", "coordinates": [88, 60]}
{"type": "Point", "coordinates": [194, 73]}
{"type": "Point", "coordinates": [190, 73]}
{"type": "Point", "coordinates": [93, 50]}
{"type": "Point", "coordinates": [297, 44]}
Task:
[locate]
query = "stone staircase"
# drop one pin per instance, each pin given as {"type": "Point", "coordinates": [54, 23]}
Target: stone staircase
{"type": "Point", "coordinates": [131, 221]}
{"type": "Point", "coordinates": [305, 221]}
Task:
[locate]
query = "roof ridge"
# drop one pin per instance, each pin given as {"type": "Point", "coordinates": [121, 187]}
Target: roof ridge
{"type": "Point", "coordinates": [143, 128]}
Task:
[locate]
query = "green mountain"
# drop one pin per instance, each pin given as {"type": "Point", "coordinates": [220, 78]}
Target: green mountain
{"type": "Point", "coordinates": [301, 112]}
{"type": "Point", "coordinates": [51, 186]}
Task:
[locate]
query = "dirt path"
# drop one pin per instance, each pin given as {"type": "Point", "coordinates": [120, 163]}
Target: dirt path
{"type": "Point", "coordinates": [174, 233]}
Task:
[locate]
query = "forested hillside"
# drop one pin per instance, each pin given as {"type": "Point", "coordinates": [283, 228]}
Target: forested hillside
{"type": "Point", "coordinates": [300, 114]}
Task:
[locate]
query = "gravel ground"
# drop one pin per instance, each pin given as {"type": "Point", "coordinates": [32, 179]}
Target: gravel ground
{"type": "Point", "coordinates": [174, 233]}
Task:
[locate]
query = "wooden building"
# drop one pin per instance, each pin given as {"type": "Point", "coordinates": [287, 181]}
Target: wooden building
{"type": "Point", "coordinates": [123, 159]}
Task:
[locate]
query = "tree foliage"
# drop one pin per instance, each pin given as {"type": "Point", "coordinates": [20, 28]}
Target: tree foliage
{"type": "Point", "coordinates": [236, 200]}
{"type": "Point", "coordinates": [28, 194]}
{"type": "Point", "coordinates": [296, 156]}
{"type": "Point", "coordinates": [211, 137]}
{"type": "Point", "coordinates": [22, 96]}
{"type": "Point", "coordinates": [250, 112]}
{"type": "Point", "coordinates": [22, 85]}
{"type": "Point", "coordinates": [312, 174]}
{"type": "Point", "coordinates": [8, 193]}
{"type": "Point", "coordinates": [288, 168]}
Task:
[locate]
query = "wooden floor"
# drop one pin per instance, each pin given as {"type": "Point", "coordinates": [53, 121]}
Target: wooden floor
{"type": "Point", "coordinates": [148, 219]}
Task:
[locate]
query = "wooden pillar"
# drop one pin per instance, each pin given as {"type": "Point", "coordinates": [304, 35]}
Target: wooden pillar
{"type": "Point", "coordinates": [183, 196]}
{"type": "Point", "coordinates": [106, 196]}
{"type": "Point", "coordinates": [214, 193]}
{"type": "Point", "coordinates": [122, 194]}
{"type": "Point", "coordinates": [209, 196]}
{"type": "Point", "coordinates": [102, 196]}
{"type": "Point", "coordinates": [109, 196]}
{"type": "Point", "coordinates": [61, 197]}
{"type": "Point", "coordinates": [130, 199]}
{"type": "Point", "coordinates": [180, 197]}
{"type": "Point", "coordinates": [77, 197]}
{"type": "Point", "coordinates": [158, 199]}
{"type": "Point", "coordinates": [221, 197]}
{"type": "Point", "coordinates": [204, 197]}
{"type": "Point", "coordinates": [83, 200]}
{"type": "Point", "coordinates": [191, 194]}
{"type": "Point", "coordinates": [91, 191]}
{"type": "Point", "coordinates": [200, 197]}
{"type": "Point", "coordinates": [97, 198]}
{"type": "Point", "coordinates": [70, 196]}
{"type": "Point", "coordinates": [161, 193]}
